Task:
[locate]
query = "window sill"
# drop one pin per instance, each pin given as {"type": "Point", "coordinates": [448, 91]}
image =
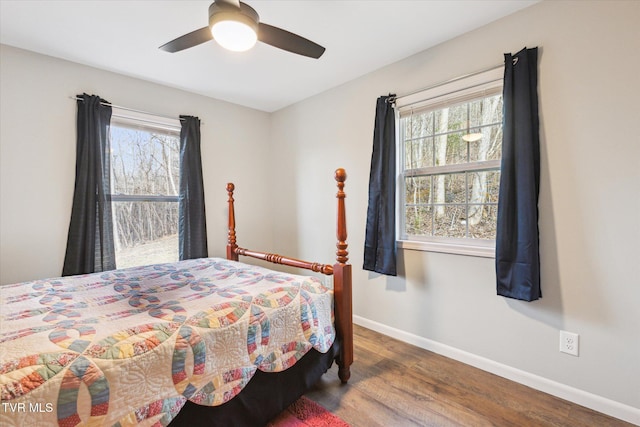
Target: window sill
{"type": "Point", "coordinates": [484, 251]}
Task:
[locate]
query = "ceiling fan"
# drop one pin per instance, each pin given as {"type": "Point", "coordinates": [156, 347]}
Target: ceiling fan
{"type": "Point", "coordinates": [236, 26]}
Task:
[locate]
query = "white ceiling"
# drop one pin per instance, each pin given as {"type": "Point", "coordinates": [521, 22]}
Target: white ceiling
{"type": "Point", "coordinates": [359, 37]}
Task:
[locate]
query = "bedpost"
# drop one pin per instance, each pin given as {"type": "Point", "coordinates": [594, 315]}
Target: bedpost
{"type": "Point", "coordinates": [231, 239]}
{"type": "Point", "coordinates": [342, 285]}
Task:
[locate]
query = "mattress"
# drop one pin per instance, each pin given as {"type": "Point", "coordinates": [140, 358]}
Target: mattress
{"type": "Point", "coordinates": [130, 347]}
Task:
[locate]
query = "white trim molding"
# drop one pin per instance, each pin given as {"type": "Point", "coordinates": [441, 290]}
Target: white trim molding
{"type": "Point", "coordinates": [597, 403]}
{"type": "Point", "coordinates": [484, 251]}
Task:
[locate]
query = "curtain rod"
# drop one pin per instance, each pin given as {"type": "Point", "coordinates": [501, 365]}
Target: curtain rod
{"type": "Point", "coordinates": [108, 104]}
{"type": "Point", "coordinates": [393, 98]}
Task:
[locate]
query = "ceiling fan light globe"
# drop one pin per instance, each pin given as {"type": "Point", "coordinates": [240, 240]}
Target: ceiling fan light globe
{"type": "Point", "coordinates": [234, 35]}
{"type": "Point", "coordinates": [472, 137]}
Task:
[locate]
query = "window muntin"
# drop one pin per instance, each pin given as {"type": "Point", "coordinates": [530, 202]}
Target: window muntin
{"type": "Point", "coordinates": [145, 173]}
{"type": "Point", "coordinates": [449, 162]}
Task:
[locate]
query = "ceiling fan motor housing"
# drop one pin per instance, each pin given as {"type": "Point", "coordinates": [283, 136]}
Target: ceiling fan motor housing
{"type": "Point", "coordinates": [225, 12]}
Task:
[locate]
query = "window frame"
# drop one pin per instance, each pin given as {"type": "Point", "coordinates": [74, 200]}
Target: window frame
{"type": "Point", "coordinates": [125, 118]}
{"type": "Point", "coordinates": [456, 91]}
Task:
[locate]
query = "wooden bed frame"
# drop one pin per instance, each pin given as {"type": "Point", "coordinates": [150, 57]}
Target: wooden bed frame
{"type": "Point", "coordinates": [341, 272]}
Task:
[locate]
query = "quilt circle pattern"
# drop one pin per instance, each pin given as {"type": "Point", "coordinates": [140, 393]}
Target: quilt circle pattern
{"type": "Point", "coordinates": [132, 346]}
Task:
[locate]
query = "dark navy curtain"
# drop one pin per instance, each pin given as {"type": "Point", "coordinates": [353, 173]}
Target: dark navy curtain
{"type": "Point", "coordinates": [90, 246]}
{"type": "Point", "coordinates": [380, 238]}
{"type": "Point", "coordinates": [192, 228]}
{"type": "Point", "coordinates": [517, 241]}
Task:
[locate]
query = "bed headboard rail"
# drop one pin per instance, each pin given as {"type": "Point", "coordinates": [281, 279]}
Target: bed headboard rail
{"type": "Point", "coordinates": [342, 255]}
{"type": "Point", "coordinates": [292, 262]}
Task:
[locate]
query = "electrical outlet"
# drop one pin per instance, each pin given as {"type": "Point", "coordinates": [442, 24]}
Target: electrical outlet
{"type": "Point", "coordinates": [569, 343]}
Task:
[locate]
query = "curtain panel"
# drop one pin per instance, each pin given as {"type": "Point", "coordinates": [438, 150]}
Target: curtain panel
{"type": "Point", "coordinates": [380, 237]}
{"type": "Point", "coordinates": [90, 246]}
{"type": "Point", "coordinates": [517, 236]}
{"type": "Point", "coordinates": [192, 228]}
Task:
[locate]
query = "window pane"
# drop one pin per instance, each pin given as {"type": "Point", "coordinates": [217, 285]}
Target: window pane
{"type": "Point", "coordinates": [145, 232]}
{"type": "Point", "coordinates": [457, 117]}
{"type": "Point", "coordinates": [418, 190]}
{"type": "Point", "coordinates": [475, 113]}
{"type": "Point", "coordinates": [450, 221]}
{"type": "Point", "coordinates": [495, 149]}
{"type": "Point", "coordinates": [482, 221]}
{"type": "Point", "coordinates": [449, 188]}
{"type": "Point", "coordinates": [418, 220]}
{"type": "Point", "coordinates": [492, 109]}
{"type": "Point", "coordinates": [441, 121]}
{"type": "Point", "coordinates": [144, 161]}
{"type": "Point", "coordinates": [483, 186]}
{"type": "Point", "coordinates": [418, 125]}
{"type": "Point", "coordinates": [489, 146]}
{"type": "Point", "coordinates": [493, 186]}
{"type": "Point", "coordinates": [419, 153]}
{"type": "Point", "coordinates": [456, 149]}
{"type": "Point", "coordinates": [485, 111]}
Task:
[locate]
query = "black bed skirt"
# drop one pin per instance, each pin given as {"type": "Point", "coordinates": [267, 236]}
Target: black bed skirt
{"type": "Point", "coordinates": [264, 397]}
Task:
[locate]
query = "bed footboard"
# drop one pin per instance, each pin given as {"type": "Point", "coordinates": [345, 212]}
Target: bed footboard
{"type": "Point", "coordinates": [341, 272]}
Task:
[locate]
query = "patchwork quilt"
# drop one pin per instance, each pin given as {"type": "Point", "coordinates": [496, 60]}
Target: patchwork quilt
{"type": "Point", "coordinates": [130, 347]}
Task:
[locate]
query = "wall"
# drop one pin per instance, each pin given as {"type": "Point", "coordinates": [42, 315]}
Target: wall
{"type": "Point", "coordinates": [589, 206]}
{"type": "Point", "coordinates": [37, 157]}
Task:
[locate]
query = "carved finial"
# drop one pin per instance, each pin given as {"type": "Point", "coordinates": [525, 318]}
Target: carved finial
{"type": "Point", "coordinates": [231, 237]}
{"type": "Point", "coordinates": [342, 254]}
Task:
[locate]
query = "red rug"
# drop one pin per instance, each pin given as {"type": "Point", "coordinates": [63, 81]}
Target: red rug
{"type": "Point", "coordinates": [306, 413]}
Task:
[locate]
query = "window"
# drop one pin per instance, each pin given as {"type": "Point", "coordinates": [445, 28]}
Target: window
{"type": "Point", "coordinates": [449, 150]}
{"type": "Point", "coordinates": [145, 171]}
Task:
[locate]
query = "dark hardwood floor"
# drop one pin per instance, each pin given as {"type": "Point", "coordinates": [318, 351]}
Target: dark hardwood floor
{"type": "Point", "coordinates": [394, 384]}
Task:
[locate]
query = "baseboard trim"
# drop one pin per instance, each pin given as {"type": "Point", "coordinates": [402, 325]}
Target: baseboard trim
{"type": "Point", "coordinates": [597, 403]}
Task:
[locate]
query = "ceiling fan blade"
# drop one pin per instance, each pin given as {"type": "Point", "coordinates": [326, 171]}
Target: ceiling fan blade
{"type": "Point", "coordinates": [191, 39]}
{"type": "Point", "coordinates": [285, 40]}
